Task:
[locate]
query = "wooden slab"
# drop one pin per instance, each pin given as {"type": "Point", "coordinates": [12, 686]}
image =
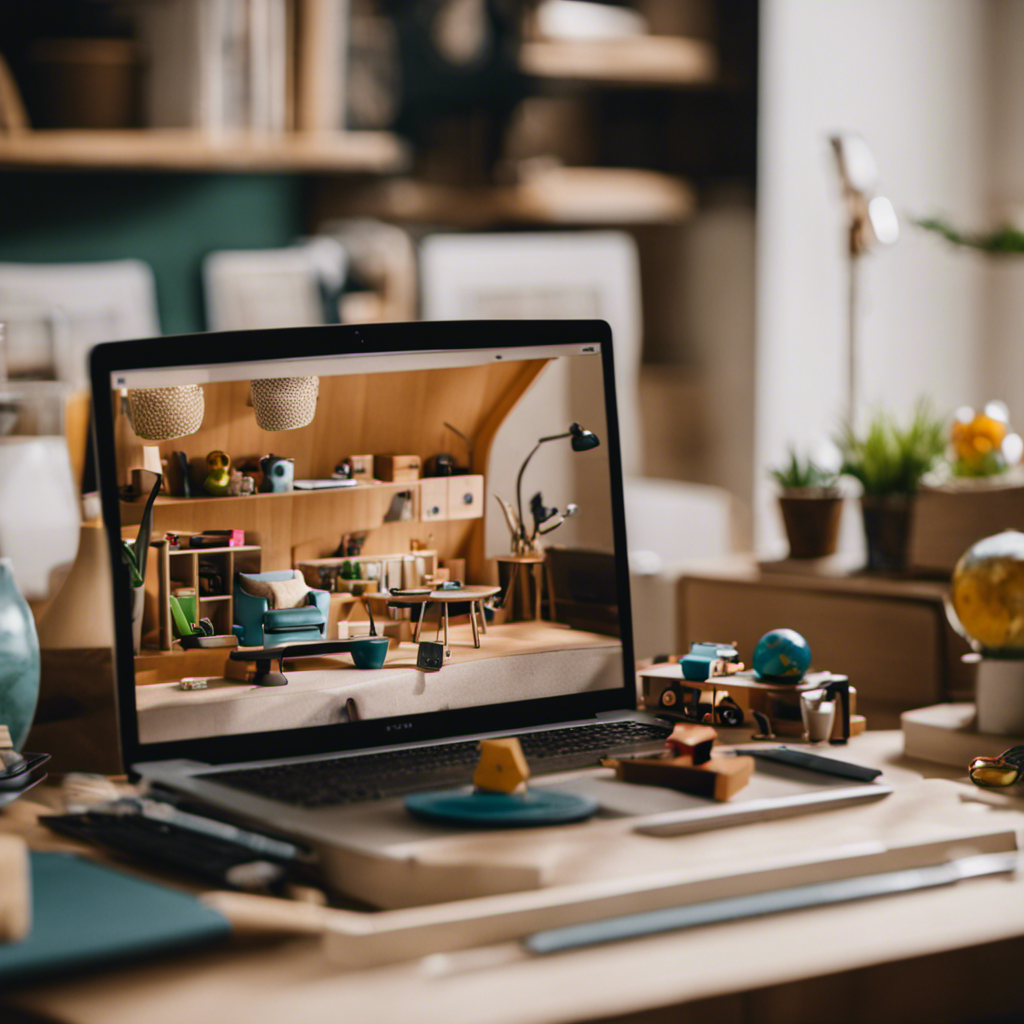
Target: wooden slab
{"type": "Point", "coordinates": [719, 778]}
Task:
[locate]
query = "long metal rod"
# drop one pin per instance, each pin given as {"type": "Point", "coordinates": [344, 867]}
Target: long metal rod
{"type": "Point", "coordinates": [519, 480]}
{"type": "Point", "coordinates": [851, 341]}
{"type": "Point", "coordinates": [771, 902]}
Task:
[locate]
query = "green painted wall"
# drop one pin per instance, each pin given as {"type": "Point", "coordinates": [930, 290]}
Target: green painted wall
{"type": "Point", "coordinates": [169, 220]}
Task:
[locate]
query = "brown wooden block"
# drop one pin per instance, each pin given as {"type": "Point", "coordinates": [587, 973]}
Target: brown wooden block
{"type": "Point", "coordinates": [718, 779]}
{"type": "Point", "coordinates": [692, 741]}
{"type": "Point", "coordinates": [397, 467]}
{"type": "Point", "coordinates": [362, 467]}
{"type": "Point", "coordinates": [502, 767]}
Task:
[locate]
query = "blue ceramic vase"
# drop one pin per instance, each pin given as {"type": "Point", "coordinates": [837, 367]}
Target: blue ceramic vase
{"type": "Point", "coordinates": [19, 658]}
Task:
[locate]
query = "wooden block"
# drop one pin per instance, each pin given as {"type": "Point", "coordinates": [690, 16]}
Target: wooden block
{"type": "Point", "coordinates": [397, 468]}
{"type": "Point", "coordinates": [362, 466]}
{"type": "Point", "coordinates": [692, 741]}
{"type": "Point", "coordinates": [502, 767]}
{"type": "Point", "coordinates": [948, 734]}
{"type": "Point", "coordinates": [719, 779]}
{"type": "Point", "coordinates": [15, 889]}
{"type": "Point", "coordinates": [151, 459]}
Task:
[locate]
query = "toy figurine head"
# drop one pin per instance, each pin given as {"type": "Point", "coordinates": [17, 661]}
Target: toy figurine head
{"type": "Point", "coordinates": [218, 477]}
{"type": "Point", "coordinates": [278, 474]}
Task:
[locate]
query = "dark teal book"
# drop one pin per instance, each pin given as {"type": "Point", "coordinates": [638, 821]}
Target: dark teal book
{"type": "Point", "coordinates": [86, 915]}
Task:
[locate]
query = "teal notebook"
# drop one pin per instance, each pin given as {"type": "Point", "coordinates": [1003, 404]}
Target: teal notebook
{"type": "Point", "coordinates": [85, 915]}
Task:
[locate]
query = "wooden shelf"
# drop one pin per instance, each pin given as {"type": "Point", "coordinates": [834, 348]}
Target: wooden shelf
{"type": "Point", "coordinates": [131, 511]}
{"type": "Point", "coordinates": [185, 571]}
{"type": "Point", "coordinates": [642, 61]}
{"type": "Point", "coordinates": [184, 150]}
{"type": "Point", "coordinates": [559, 196]}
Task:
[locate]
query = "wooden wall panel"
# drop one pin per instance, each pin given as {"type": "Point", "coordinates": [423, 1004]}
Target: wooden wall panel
{"type": "Point", "coordinates": [398, 413]}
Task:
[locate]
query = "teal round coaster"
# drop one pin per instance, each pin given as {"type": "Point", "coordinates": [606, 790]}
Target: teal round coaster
{"type": "Point", "coordinates": [500, 810]}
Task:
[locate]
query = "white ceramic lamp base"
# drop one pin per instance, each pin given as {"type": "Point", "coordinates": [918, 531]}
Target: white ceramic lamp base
{"type": "Point", "coordinates": [999, 696]}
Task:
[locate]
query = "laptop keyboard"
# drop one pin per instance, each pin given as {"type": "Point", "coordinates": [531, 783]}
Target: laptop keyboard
{"type": "Point", "coordinates": [351, 780]}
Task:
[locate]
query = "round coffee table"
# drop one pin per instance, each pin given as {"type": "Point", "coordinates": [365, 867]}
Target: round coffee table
{"type": "Point", "coordinates": [474, 596]}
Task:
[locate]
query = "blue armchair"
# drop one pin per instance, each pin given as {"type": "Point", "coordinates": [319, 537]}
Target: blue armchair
{"type": "Point", "coordinates": [258, 624]}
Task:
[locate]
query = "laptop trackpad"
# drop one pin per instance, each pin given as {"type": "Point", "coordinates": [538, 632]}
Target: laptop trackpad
{"type": "Point", "coordinates": [771, 782]}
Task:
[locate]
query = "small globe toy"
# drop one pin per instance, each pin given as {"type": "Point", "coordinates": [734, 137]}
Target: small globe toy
{"type": "Point", "coordinates": [988, 594]}
{"type": "Point", "coordinates": [782, 656]}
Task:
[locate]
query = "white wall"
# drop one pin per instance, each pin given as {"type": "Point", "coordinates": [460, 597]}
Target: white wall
{"type": "Point", "coordinates": [1003, 351]}
{"type": "Point", "coordinates": [913, 77]}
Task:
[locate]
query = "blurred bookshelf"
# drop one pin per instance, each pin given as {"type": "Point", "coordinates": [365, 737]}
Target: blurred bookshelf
{"type": "Point", "coordinates": [646, 61]}
{"type": "Point", "coordinates": [173, 149]}
{"type": "Point", "coordinates": [560, 196]}
{"type": "Point", "coordinates": [179, 133]}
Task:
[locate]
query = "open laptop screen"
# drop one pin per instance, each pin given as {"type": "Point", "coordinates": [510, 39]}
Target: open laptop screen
{"type": "Point", "coordinates": [443, 498]}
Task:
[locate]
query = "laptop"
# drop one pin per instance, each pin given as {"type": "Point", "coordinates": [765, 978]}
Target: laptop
{"type": "Point", "coordinates": [302, 658]}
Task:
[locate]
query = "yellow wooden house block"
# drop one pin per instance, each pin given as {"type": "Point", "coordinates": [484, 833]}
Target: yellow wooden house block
{"type": "Point", "coordinates": [502, 767]}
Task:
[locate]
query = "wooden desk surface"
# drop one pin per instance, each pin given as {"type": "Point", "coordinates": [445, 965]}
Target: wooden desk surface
{"type": "Point", "coordinates": [948, 954]}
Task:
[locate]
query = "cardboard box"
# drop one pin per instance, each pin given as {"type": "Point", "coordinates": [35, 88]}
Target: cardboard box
{"type": "Point", "coordinates": [397, 468]}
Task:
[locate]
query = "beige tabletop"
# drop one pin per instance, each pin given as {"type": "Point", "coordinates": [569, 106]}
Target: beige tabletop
{"type": "Point", "coordinates": [943, 955]}
{"type": "Point", "coordinates": [476, 593]}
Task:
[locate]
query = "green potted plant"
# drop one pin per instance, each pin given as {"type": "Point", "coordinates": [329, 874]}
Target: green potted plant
{"type": "Point", "coordinates": [811, 504]}
{"type": "Point", "coordinates": [134, 555]}
{"type": "Point", "coordinates": [890, 461]}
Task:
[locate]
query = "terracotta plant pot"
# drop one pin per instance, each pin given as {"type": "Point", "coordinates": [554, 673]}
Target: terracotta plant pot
{"type": "Point", "coordinates": [812, 523]}
{"type": "Point", "coordinates": [887, 531]}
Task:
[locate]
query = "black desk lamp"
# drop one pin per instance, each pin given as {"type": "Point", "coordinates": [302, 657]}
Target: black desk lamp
{"type": "Point", "coordinates": [582, 441]}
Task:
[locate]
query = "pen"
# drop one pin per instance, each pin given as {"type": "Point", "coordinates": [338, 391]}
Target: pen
{"type": "Point", "coordinates": [812, 762]}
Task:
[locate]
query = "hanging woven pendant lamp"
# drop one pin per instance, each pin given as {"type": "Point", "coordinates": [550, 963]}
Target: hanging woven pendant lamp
{"type": "Point", "coordinates": [160, 414]}
{"type": "Point", "coordinates": [284, 403]}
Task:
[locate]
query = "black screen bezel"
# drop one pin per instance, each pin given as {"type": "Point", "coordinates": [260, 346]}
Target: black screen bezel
{"type": "Point", "coordinates": [227, 347]}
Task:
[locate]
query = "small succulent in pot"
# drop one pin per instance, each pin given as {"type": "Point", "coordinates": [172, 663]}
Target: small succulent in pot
{"type": "Point", "coordinates": [890, 461]}
{"type": "Point", "coordinates": [806, 477]}
{"type": "Point", "coordinates": [811, 504]}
